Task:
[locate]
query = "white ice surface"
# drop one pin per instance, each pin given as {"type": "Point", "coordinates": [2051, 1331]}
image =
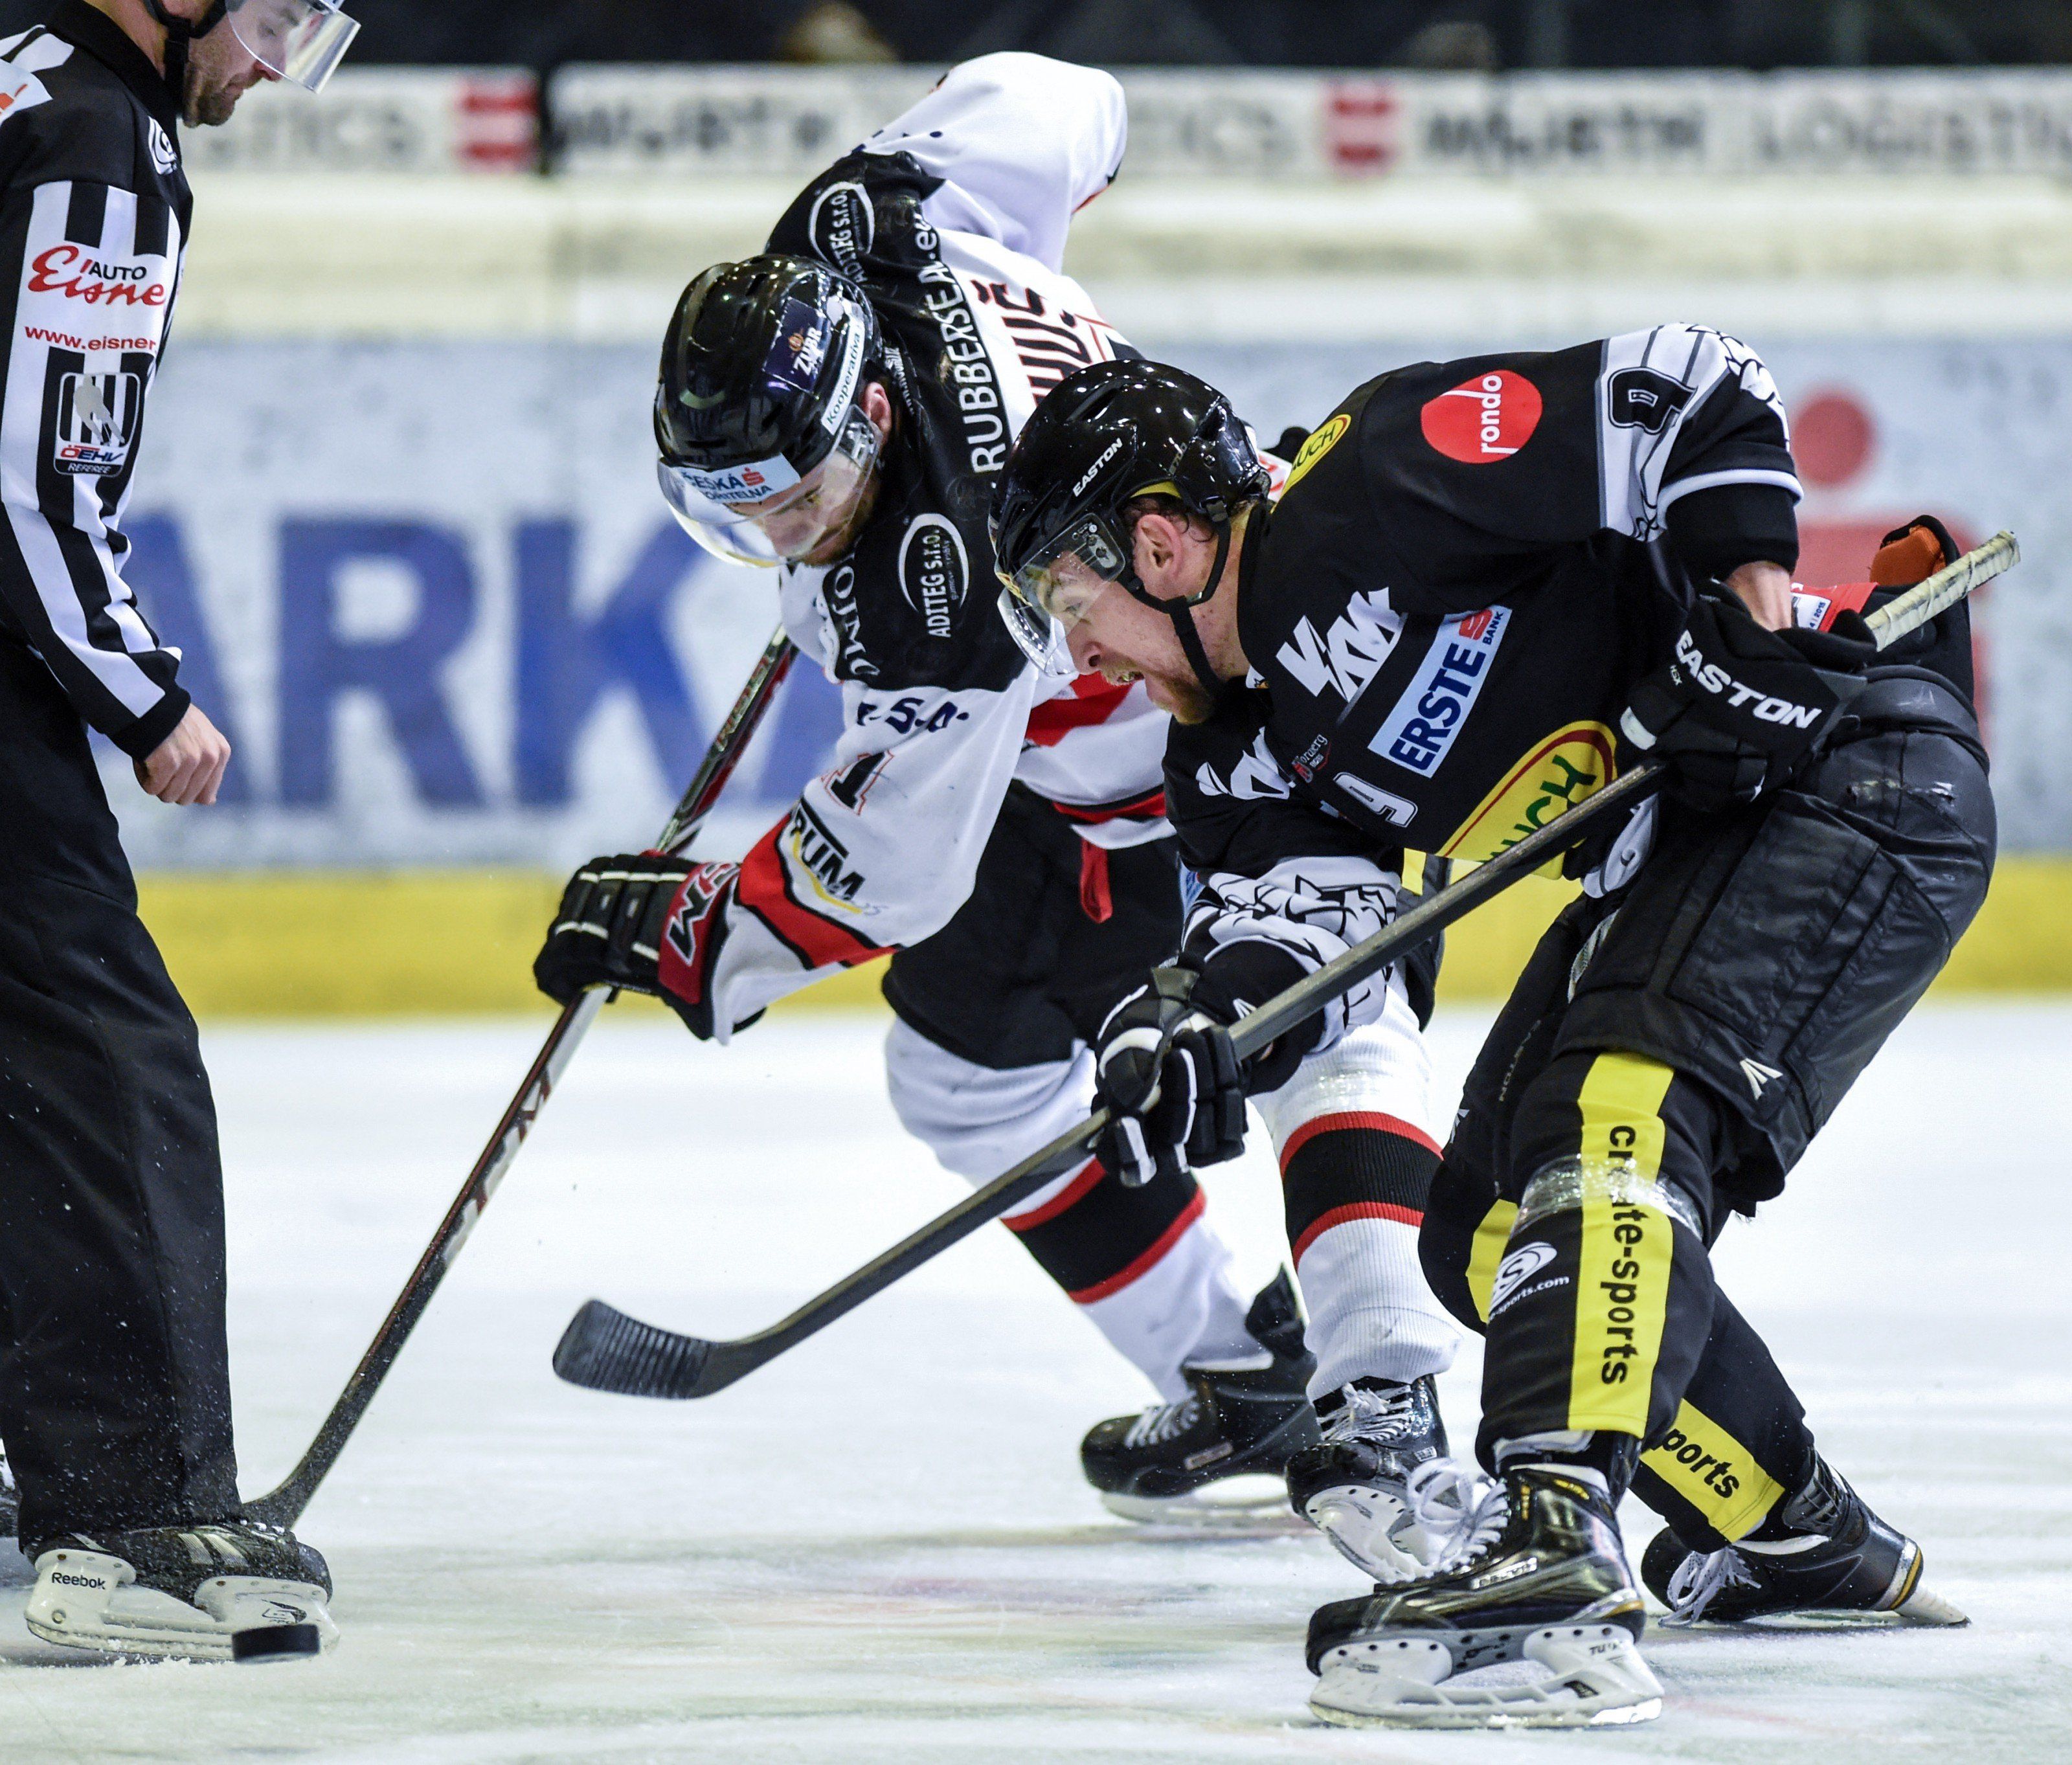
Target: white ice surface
{"type": "Point", "coordinates": [879, 1548]}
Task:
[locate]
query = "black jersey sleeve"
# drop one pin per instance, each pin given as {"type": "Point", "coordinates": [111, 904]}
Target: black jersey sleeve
{"type": "Point", "coordinates": [1473, 470]}
{"type": "Point", "coordinates": [1281, 887]}
{"type": "Point", "coordinates": [91, 233]}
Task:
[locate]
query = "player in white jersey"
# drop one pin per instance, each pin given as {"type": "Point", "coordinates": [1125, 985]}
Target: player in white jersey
{"type": "Point", "coordinates": [838, 409]}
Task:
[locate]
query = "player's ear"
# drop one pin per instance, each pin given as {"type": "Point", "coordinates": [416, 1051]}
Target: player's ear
{"type": "Point", "coordinates": [1158, 547]}
{"type": "Point", "coordinates": [878, 406]}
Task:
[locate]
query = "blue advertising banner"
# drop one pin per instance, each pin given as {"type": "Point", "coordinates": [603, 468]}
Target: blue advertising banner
{"type": "Point", "coordinates": [430, 591]}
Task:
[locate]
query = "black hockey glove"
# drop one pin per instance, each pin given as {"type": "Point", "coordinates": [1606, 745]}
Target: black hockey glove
{"type": "Point", "coordinates": [1740, 708]}
{"type": "Point", "coordinates": [1166, 1071]}
{"type": "Point", "coordinates": [643, 923]}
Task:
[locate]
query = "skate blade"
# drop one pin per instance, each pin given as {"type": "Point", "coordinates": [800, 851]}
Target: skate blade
{"type": "Point", "coordinates": [1594, 1678]}
{"type": "Point", "coordinates": [95, 1607]}
{"type": "Point", "coordinates": [1256, 1503]}
{"type": "Point", "coordinates": [1363, 1522]}
{"type": "Point", "coordinates": [1920, 1611]}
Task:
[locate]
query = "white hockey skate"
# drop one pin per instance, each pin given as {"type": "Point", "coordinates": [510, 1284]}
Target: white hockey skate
{"type": "Point", "coordinates": [220, 1592]}
{"type": "Point", "coordinates": [1535, 1625]}
{"type": "Point", "coordinates": [1379, 1484]}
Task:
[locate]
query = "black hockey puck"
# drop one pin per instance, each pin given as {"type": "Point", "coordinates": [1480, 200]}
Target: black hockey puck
{"type": "Point", "coordinates": [276, 1642]}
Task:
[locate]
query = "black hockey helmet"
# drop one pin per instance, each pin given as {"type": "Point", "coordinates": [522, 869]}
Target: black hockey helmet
{"type": "Point", "coordinates": [758, 412]}
{"type": "Point", "coordinates": [1106, 434]}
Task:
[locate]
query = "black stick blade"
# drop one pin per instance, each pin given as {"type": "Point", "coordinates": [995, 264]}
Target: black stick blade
{"type": "Point", "coordinates": [605, 1350]}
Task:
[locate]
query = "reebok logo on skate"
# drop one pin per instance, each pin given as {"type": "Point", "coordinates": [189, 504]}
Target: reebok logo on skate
{"type": "Point", "coordinates": [59, 1578]}
{"type": "Point", "coordinates": [1194, 1461]}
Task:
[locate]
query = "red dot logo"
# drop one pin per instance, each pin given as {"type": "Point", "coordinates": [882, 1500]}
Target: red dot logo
{"type": "Point", "coordinates": [1483, 420]}
{"type": "Point", "coordinates": [1832, 439]}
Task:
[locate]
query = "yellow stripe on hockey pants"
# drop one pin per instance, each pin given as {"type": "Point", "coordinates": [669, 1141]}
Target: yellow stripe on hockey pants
{"type": "Point", "coordinates": [1486, 1253]}
{"type": "Point", "coordinates": [1622, 1285]}
{"type": "Point", "coordinates": [1698, 1459]}
{"type": "Point", "coordinates": [1714, 1472]}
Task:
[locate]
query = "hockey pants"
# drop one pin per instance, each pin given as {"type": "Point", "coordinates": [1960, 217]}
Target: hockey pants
{"type": "Point", "coordinates": [1666, 1056]}
{"type": "Point", "coordinates": [988, 1060]}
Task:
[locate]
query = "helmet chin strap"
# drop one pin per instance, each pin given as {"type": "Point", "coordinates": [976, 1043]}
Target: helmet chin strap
{"type": "Point", "coordinates": [180, 33]}
{"type": "Point", "coordinates": [1182, 613]}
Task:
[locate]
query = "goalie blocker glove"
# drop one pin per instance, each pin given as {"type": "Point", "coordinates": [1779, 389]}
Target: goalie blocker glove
{"type": "Point", "coordinates": [643, 923]}
{"type": "Point", "coordinates": [1738, 709]}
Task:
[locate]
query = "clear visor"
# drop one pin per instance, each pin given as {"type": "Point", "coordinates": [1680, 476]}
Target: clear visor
{"type": "Point", "coordinates": [300, 41]}
{"type": "Point", "coordinates": [1066, 578]}
{"type": "Point", "coordinates": [1038, 636]}
{"type": "Point", "coordinates": [732, 516]}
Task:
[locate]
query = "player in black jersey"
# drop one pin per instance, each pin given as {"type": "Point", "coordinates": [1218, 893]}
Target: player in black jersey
{"type": "Point", "coordinates": [114, 1381]}
{"type": "Point", "coordinates": [1487, 586]}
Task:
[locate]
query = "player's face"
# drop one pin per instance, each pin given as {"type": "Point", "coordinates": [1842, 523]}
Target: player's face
{"type": "Point", "coordinates": [220, 71]}
{"type": "Point", "coordinates": [1120, 639]}
{"type": "Point", "coordinates": [816, 520]}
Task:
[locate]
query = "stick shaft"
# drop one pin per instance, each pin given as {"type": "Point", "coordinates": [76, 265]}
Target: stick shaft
{"type": "Point", "coordinates": [283, 1505]}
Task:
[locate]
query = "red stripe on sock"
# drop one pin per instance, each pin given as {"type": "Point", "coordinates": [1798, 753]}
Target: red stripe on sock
{"type": "Point", "coordinates": [1073, 1192]}
{"type": "Point", "coordinates": [1150, 1260]}
{"type": "Point", "coordinates": [1354, 1119]}
{"type": "Point", "coordinates": [1355, 1210]}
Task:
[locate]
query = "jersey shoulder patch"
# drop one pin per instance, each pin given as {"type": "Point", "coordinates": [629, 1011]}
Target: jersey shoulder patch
{"type": "Point", "coordinates": [862, 216]}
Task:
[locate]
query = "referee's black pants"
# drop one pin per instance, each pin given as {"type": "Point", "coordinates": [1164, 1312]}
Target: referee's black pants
{"type": "Point", "coordinates": [114, 1375]}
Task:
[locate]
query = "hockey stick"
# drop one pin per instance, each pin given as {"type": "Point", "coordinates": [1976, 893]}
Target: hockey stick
{"type": "Point", "coordinates": [606, 1350]}
{"type": "Point", "coordinates": [283, 1506]}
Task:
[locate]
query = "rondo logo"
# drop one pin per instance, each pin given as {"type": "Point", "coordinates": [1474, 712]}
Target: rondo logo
{"type": "Point", "coordinates": [1483, 420]}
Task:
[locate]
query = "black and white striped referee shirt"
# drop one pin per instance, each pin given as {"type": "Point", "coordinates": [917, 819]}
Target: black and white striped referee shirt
{"type": "Point", "coordinates": [94, 209]}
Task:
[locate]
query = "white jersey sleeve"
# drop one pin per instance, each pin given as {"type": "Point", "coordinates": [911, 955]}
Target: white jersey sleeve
{"type": "Point", "coordinates": [1020, 142]}
{"type": "Point", "coordinates": [880, 850]}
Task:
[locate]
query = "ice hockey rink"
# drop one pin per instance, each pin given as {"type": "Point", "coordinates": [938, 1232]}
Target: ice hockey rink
{"type": "Point", "coordinates": [879, 1548]}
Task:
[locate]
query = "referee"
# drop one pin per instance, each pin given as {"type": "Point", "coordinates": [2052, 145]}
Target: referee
{"type": "Point", "coordinates": [114, 1383]}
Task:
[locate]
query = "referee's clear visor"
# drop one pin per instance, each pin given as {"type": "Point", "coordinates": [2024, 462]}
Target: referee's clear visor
{"type": "Point", "coordinates": [300, 41]}
{"type": "Point", "coordinates": [764, 512]}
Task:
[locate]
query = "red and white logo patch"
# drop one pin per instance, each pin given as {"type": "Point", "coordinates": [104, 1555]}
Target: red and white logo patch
{"type": "Point", "coordinates": [1483, 420]}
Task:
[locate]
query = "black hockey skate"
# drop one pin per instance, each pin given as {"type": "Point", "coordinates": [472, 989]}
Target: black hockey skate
{"type": "Point", "coordinates": [186, 1592]}
{"type": "Point", "coordinates": [1838, 1563]}
{"type": "Point", "coordinates": [1215, 1458]}
{"type": "Point", "coordinates": [1379, 1484]}
{"type": "Point", "coordinates": [1542, 1578]}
